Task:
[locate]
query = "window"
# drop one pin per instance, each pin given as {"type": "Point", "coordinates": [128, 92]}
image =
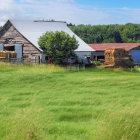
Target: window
{"type": "Point", "coordinates": [9, 48]}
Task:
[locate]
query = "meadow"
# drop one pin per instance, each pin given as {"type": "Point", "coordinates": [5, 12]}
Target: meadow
{"type": "Point", "coordinates": [39, 102]}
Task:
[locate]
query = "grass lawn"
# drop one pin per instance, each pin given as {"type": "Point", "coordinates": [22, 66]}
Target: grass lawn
{"type": "Point", "coordinates": [50, 103]}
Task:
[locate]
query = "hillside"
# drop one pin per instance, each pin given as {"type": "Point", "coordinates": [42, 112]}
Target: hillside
{"type": "Point", "coordinates": [92, 34]}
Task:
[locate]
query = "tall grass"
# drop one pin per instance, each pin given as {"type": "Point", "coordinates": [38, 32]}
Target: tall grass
{"type": "Point", "coordinates": [122, 125]}
{"type": "Point", "coordinates": [30, 67]}
{"type": "Point", "coordinates": [47, 102]}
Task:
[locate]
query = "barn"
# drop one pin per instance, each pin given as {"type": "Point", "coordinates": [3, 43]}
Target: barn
{"type": "Point", "coordinates": [133, 48]}
{"type": "Point", "coordinates": [23, 36]}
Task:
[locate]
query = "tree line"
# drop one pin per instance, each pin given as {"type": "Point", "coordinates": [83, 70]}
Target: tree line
{"type": "Point", "coordinates": [92, 34]}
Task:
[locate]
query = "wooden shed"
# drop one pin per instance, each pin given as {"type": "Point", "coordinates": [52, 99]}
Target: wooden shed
{"type": "Point", "coordinates": [11, 39]}
{"type": "Point", "coordinates": [133, 48]}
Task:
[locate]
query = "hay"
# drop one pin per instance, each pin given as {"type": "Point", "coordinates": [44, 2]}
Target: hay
{"type": "Point", "coordinates": [8, 54]}
{"type": "Point", "coordinates": [118, 57]}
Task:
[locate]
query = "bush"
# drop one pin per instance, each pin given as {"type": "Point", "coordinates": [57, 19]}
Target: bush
{"type": "Point", "coordinates": [96, 63]}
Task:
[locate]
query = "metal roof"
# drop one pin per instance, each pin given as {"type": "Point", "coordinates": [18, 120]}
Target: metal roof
{"type": "Point", "coordinates": [103, 47]}
{"type": "Point", "coordinates": [32, 30]}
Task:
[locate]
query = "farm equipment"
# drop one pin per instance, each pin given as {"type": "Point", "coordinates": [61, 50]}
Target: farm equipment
{"type": "Point", "coordinates": [86, 60]}
{"type": "Point", "coordinates": [118, 58]}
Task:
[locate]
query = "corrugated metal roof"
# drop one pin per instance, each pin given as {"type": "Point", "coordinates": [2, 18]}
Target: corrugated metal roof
{"type": "Point", "coordinates": [32, 30]}
{"type": "Point", "coordinates": [103, 47]}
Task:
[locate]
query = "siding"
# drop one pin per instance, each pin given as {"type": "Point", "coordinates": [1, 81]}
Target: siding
{"type": "Point", "coordinates": [82, 54]}
{"type": "Point", "coordinates": [98, 53]}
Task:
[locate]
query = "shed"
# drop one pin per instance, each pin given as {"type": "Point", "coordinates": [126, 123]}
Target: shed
{"type": "Point", "coordinates": [133, 48]}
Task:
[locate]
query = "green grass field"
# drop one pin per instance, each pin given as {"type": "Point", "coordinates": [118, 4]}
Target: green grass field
{"type": "Point", "coordinates": [51, 103]}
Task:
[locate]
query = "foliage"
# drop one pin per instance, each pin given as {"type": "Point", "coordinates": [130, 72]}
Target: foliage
{"type": "Point", "coordinates": [96, 63]}
{"type": "Point", "coordinates": [58, 45]}
{"type": "Point", "coordinates": [128, 33]}
{"type": "Point", "coordinates": [40, 102]}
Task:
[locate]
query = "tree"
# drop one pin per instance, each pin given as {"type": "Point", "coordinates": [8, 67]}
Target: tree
{"type": "Point", "coordinates": [70, 24]}
{"type": "Point", "coordinates": [108, 33]}
{"type": "Point", "coordinates": [58, 45]}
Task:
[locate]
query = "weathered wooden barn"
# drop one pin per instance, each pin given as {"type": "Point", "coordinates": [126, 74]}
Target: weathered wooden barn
{"type": "Point", "coordinates": [133, 48]}
{"type": "Point", "coordinates": [23, 36]}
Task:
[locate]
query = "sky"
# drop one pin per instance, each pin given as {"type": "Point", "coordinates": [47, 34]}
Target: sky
{"type": "Point", "coordinates": [92, 12]}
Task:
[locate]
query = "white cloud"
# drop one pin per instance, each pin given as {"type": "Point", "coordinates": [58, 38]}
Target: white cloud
{"type": "Point", "coordinates": [66, 10]}
{"type": "Point", "coordinates": [5, 4]}
{"type": "Point", "coordinates": [6, 7]}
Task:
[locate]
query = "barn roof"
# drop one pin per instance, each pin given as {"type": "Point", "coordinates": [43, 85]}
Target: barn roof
{"type": "Point", "coordinates": [103, 47]}
{"type": "Point", "coordinates": [32, 30]}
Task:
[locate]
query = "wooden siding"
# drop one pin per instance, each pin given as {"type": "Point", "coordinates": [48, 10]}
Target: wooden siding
{"type": "Point", "coordinates": [9, 31]}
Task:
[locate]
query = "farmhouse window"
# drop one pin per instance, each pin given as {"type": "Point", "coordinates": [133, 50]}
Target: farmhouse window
{"type": "Point", "coordinates": [9, 48]}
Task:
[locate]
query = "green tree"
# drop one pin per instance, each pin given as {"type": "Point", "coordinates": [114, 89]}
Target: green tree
{"type": "Point", "coordinates": [58, 45]}
{"type": "Point", "coordinates": [91, 34]}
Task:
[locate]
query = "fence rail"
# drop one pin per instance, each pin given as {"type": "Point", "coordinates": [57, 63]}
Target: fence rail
{"type": "Point", "coordinates": [69, 67]}
{"type": "Point", "coordinates": [20, 60]}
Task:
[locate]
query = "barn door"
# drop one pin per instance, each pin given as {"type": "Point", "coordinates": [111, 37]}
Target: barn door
{"type": "Point", "coordinates": [136, 56]}
{"type": "Point", "coordinates": [18, 49]}
{"type": "Point", "coordinates": [1, 47]}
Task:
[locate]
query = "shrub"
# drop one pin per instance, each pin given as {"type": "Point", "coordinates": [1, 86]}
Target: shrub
{"type": "Point", "coordinates": [96, 63]}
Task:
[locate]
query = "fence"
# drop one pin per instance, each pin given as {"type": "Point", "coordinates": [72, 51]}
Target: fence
{"type": "Point", "coordinates": [68, 66]}
{"type": "Point", "coordinates": [20, 60]}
